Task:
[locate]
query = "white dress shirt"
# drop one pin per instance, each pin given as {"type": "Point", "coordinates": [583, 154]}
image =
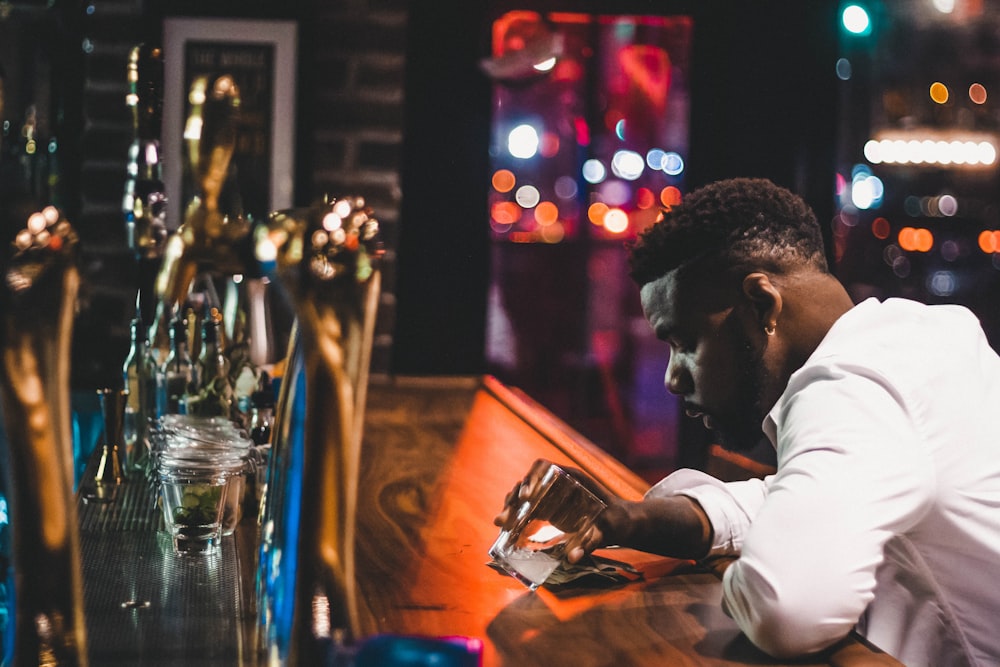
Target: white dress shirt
{"type": "Point", "coordinates": [884, 512]}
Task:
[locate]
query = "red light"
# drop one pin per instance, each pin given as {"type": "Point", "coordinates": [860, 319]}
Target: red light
{"type": "Point", "coordinates": [549, 145]}
{"type": "Point", "coordinates": [582, 131]}
{"type": "Point", "coordinates": [880, 228]}
{"type": "Point", "coordinates": [506, 212]}
{"type": "Point", "coordinates": [644, 198]}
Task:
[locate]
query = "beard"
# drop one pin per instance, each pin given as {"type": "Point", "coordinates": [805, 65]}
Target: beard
{"type": "Point", "coordinates": [740, 430]}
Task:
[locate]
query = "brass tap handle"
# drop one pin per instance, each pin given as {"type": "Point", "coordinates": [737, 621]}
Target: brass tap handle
{"type": "Point", "coordinates": [37, 304]}
{"type": "Point", "coordinates": [208, 239]}
{"type": "Point", "coordinates": [326, 258]}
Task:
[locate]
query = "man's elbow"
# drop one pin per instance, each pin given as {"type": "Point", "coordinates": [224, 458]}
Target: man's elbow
{"type": "Point", "coordinates": [790, 617]}
{"type": "Point", "coordinates": [783, 631]}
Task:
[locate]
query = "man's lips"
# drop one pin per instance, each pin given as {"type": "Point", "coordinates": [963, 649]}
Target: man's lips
{"type": "Point", "coordinates": [695, 412]}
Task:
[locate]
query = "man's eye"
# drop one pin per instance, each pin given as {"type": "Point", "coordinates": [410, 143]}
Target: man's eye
{"type": "Point", "coordinates": [679, 346]}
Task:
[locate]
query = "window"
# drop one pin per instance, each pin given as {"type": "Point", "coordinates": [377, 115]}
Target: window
{"type": "Point", "coordinates": [590, 129]}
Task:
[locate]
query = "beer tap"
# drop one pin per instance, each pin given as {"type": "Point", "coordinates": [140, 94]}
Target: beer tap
{"type": "Point", "coordinates": [209, 238]}
{"type": "Point", "coordinates": [327, 260]}
{"type": "Point", "coordinates": [37, 306]}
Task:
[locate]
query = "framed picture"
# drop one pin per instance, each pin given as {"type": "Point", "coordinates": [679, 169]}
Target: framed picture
{"type": "Point", "coordinates": [260, 56]}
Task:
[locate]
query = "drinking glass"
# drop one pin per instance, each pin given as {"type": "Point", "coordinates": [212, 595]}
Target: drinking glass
{"type": "Point", "coordinates": [550, 508]}
{"type": "Point", "coordinates": [193, 484]}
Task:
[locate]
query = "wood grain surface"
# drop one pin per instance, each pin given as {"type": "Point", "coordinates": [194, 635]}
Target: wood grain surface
{"type": "Point", "coordinates": [439, 456]}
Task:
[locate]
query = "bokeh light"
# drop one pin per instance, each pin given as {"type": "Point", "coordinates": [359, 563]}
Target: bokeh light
{"type": "Point", "coordinates": [549, 145]}
{"type": "Point", "coordinates": [843, 69]}
{"type": "Point", "coordinates": [942, 283]}
{"type": "Point", "coordinates": [546, 213]}
{"type": "Point", "coordinates": [866, 191]}
{"type": "Point", "coordinates": [950, 251]}
{"type": "Point", "coordinates": [947, 205]}
{"type": "Point", "coordinates": [566, 187]}
{"type": "Point", "coordinates": [615, 192]}
{"type": "Point", "coordinates": [553, 233]}
{"type": "Point", "coordinates": [670, 196]}
{"type": "Point", "coordinates": [527, 196]}
{"type": "Point", "coordinates": [654, 158]}
{"type": "Point", "coordinates": [939, 92]}
{"type": "Point", "coordinates": [596, 213]}
{"type": "Point", "coordinates": [989, 241]}
{"type": "Point", "coordinates": [504, 180]}
{"type": "Point", "coordinates": [977, 93]}
{"type": "Point", "coordinates": [673, 163]}
{"type": "Point", "coordinates": [644, 198]}
{"type": "Point", "coordinates": [505, 212]}
{"type": "Point", "coordinates": [545, 65]}
{"type": "Point", "coordinates": [627, 164]}
{"type": "Point", "coordinates": [616, 221]}
{"type": "Point", "coordinates": [915, 239]}
{"type": "Point", "coordinates": [522, 142]}
{"type": "Point", "coordinates": [332, 222]}
{"type": "Point", "coordinates": [930, 152]}
{"type": "Point", "coordinates": [594, 171]}
{"type": "Point", "coordinates": [856, 20]}
{"type": "Point", "coordinates": [880, 228]}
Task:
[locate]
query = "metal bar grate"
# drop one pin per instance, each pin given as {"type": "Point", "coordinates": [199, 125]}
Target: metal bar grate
{"type": "Point", "coordinates": [146, 606]}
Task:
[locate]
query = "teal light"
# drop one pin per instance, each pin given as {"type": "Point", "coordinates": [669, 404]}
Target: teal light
{"type": "Point", "coordinates": [856, 20]}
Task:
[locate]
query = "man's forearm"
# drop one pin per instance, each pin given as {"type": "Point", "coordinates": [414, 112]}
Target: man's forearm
{"type": "Point", "coordinates": [674, 526]}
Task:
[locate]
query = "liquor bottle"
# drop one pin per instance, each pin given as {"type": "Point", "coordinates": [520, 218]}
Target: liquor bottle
{"type": "Point", "coordinates": [177, 372]}
{"type": "Point", "coordinates": [138, 377]}
{"type": "Point", "coordinates": [193, 336]}
{"type": "Point", "coordinates": [213, 396]}
{"type": "Point", "coordinates": [144, 204]}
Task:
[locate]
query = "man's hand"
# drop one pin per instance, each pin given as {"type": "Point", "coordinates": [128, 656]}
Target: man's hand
{"type": "Point", "coordinates": [675, 526]}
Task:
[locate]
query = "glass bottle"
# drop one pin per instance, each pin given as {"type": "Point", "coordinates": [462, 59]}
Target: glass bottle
{"type": "Point", "coordinates": [150, 406]}
{"type": "Point", "coordinates": [261, 417]}
{"type": "Point", "coordinates": [214, 392]}
{"type": "Point", "coordinates": [177, 372]}
{"type": "Point", "coordinates": [144, 204]}
{"type": "Point", "coordinates": [139, 378]}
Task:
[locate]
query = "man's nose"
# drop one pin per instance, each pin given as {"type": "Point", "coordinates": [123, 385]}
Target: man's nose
{"type": "Point", "coordinates": [677, 379]}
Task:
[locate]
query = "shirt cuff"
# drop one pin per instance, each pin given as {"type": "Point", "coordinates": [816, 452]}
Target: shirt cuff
{"type": "Point", "coordinates": [724, 514]}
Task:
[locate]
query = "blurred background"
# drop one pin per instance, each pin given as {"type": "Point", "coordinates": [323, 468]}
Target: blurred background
{"type": "Point", "coordinates": [511, 149]}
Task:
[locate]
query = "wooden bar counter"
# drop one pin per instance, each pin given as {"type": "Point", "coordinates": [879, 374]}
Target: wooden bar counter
{"type": "Point", "coordinates": [440, 456]}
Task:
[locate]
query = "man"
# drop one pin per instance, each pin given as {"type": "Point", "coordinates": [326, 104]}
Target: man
{"type": "Point", "coordinates": [884, 512]}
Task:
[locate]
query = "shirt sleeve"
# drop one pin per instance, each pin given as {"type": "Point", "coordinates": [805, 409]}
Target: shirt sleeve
{"type": "Point", "coordinates": [730, 506]}
{"type": "Point", "coordinates": [852, 471]}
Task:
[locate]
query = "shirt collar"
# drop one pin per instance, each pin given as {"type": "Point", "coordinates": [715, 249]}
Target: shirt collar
{"type": "Point", "coordinates": [771, 420]}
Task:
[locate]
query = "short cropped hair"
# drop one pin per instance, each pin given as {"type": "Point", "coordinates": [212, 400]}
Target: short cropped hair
{"type": "Point", "coordinates": [739, 223]}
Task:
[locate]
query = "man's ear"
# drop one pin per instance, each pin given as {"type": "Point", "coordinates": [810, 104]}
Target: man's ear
{"type": "Point", "coordinates": [765, 299]}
